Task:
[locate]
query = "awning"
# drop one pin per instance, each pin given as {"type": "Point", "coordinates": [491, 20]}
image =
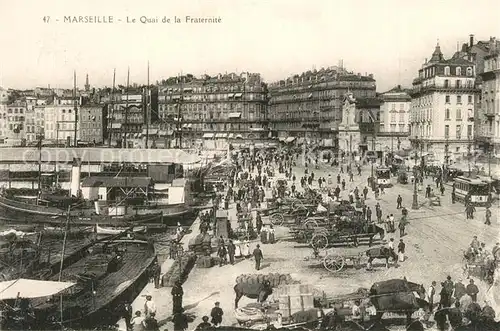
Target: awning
{"type": "Point", "coordinates": [116, 125]}
{"type": "Point", "coordinates": [238, 95]}
{"type": "Point", "coordinates": [256, 129]}
{"type": "Point", "coordinates": [259, 145]}
{"type": "Point", "coordinates": [176, 97]}
{"type": "Point", "coordinates": [188, 89]}
{"type": "Point", "coordinates": [221, 135]}
{"type": "Point", "coordinates": [230, 95]}
{"type": "Point", "coordinates": [208, 135]}
{"type": "Point", "coordinates": [31, 288]}
{"type": "Point", "coordinates": [230, 136]}
{"type": "Point", "coordinates": [153, 132]}
{"type": "Point", "coordinates": [290, 139]}
{"type": "Point", "coordinates": [234, 115]}
{"type": "Point", "coordinates": [239, 136]}
{"type": "Point", "coordinates": [162, 133]}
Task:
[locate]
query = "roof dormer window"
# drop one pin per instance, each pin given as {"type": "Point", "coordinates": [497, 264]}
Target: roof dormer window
{"type": "Point", "coordinates": [458, 71]}
{"type": "Point", "coordinates": [469, 71]}
{"type": "Point", "coordinates": [446, 71]}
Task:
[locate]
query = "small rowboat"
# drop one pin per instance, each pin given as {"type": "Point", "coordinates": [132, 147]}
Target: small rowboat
{"type": "Point", "coordinates": [115, 231]}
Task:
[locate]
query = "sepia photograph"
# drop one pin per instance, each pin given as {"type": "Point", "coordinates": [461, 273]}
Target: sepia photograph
{"type": "Point", "coordinates": [243, 165]}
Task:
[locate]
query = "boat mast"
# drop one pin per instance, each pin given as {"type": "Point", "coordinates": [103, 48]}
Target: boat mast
{"type": "Point", "coordinates": [39, 164]}
{"type": "Point", "coordinates": [112, 109]}
{"type": "Point", "coordinates": [76, 108]}
{"type": "Point", "coordinates": [124, 143]}
{"type": "Point", "coordinates": [147, 110]}
{"type": "Point", "coordinates": [61, 266]}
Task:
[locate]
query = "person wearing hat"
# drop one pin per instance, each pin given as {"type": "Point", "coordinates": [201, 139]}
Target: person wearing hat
{"type": "Point", "coordinates": [216, 314]}
{"type": "Point", "coordinates": [205, 324]}
{"type": "Point", "coordinates": [257, 254]}
{"type": "Point", "coordinates": [149, 306]}
{"type": "Point", "coordinates": [151, 322]}
{"type": "Point", "coordinates": [137, 322]}
{"type": "Point", "coordinates": [472, 290]}
{"type": "Point", "coordinates": [449, 286]}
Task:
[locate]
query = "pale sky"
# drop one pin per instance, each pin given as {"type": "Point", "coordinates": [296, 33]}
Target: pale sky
{"type": "Point", "coordinates": [389, 38]}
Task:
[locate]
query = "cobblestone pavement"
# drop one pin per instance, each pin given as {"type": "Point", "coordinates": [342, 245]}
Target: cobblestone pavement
{"type": "Point", "coordinates": [435, 240]}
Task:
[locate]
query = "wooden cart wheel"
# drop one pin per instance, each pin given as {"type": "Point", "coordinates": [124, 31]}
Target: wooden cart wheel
{"type": "Point", "coordinates": [319, 241]}
{"type": "Point", "coordinates": [310, 224]}
{"type": "Point", "coordinates": [334, 263]}
{"type": "Point", "coordinates": [277, 219]}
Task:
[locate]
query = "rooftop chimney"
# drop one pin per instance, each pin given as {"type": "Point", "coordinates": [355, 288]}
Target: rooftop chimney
{"type": "Point", "coordinates": [471, 40]}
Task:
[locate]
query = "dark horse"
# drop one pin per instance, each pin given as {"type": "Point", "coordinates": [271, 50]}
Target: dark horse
{"type": "Point", "coordinates": [380, 252]}
{"type": "Point", "coordinates": [398, 296]}
{"type": "Point", "coordinates": [355, 229]}
{"type": "Point", "coordinates": [259, 291]}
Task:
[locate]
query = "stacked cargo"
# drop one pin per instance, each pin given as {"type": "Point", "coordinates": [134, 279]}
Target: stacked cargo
{"type": "Point", "coordinates": [294, 299]}
{"type": "Point", "coordinates": [179, 271]}
{"type": "Point", "coordinates": [201, 244]}
{"type": "Point", "coordinates": [275, 279]}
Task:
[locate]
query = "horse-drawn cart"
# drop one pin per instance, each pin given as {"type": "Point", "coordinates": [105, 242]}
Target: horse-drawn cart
{"type": "Point", "coordinates": [322, 238]}
{"type": "Point", "coordinates": [483, 269]}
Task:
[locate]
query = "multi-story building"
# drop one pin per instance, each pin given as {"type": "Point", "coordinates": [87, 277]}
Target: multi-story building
{"type": "Point", "coordinates": [442, 107]}
{"type": "Point", "coordinates": [394, 119]}
{"type": "Point", "coordinates": [59, 120]}
{"type": "Point", "coordinates": [214, 112]}
{"type": "Point", "coordinates": [91, 123]}
{"type": "Point", "coordinates": [309, 106]}
{"type": "Point", "coordinates": [15, 125]}
{"type": "Point", "coordinates": [490, 92]}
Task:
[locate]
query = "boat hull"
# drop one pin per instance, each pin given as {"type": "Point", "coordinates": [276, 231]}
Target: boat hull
{"type": "Point", "coordinates": [29, 213]}
{"type": "Point", "coordinates": [85, 311]}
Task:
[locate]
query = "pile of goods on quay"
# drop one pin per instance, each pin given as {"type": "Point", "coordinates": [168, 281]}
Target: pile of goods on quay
{"type": "Point", "coordinates": [179, 271]}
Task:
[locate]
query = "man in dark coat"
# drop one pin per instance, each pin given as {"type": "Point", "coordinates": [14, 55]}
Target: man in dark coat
{"type": "Point", "coordinates": [258, 222]}
{"type": "Point", "coordinates": [472, 290]}
{"type": "Point", "coordinates": [449, 286]}
{"type": "Point", "coordinates": [365, 192]}
{"type": "Point", "coordinates": [257, 254]}
{"type": "Point", "coordinates": [216, 314]}
{"type": "Point", "coordinates": [231, 250]}
{"type": "Point", "coordinates": [177, 293]}
{"type": "Point", "coordinates": [399, 202]}
{"type": "Point", "coordinates": [127, 313]}
{"type": "Point", "coordinates": [205, 324]}
{"type": "Point", "coordinates": [368, 214]}
{"type": "Point", "coordinates": [180, 321]}
{"type": "Point", "coordinates": [151, 323]}
{"type": "Point", "coordinates": [156, 274]}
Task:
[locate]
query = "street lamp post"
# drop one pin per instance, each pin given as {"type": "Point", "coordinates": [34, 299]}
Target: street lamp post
{"type": "Point", "coordinates": [415, 194]}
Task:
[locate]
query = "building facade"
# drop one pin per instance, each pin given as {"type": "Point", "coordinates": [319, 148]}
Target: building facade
{"type": "Point", "coordinates": [213, 112]}
{"type": "Point", "coordinates": [442, 108]}
{"type": "Point", "coordinates": [490, 96]}
{"type": "Point", "coordinates": [90, 124]}
{"type": "Point", "coordinates": [59, 121]}
{"type": "Point", "coordinates": [394, 127]}
{"type": "Point", "coordinates": [309, 106]}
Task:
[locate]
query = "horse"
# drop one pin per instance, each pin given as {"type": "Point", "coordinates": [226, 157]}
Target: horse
{"type": "Point", "coordinates": [259, 291]}
{"type": "Point", "coordinates": [380, 252]}
{"type": "Point", "coordinates": [397, 295]}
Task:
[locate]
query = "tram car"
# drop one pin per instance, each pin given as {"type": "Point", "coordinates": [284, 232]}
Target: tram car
{"type": "Point", "coordinates": [477, 189]}
{"type": "Point", "coordinates": [383, 176]}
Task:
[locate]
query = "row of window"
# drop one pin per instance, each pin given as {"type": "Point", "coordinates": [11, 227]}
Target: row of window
{"type": "Point", "coordinates": [395, 128]}
{"type": "Point", "coordinates": [470, 99]}
{"type": "Point", "coordinates": [401, 118]}
{"type": "Point", "coordinates": [458, 83]}
{"type": "Point", "coordinates": [15, 110]}
{"type": "Point", "coordinates": [401, 106]}
{"type": "Point", "coordinates": [458, 132]}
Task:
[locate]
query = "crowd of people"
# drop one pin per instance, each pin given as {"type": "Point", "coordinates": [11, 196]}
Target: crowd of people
{"type": "Point", "coordinates": [252, 183]}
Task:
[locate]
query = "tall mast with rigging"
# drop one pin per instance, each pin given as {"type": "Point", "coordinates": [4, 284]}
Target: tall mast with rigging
{"type": "Point", "coordinates": [124, 141]}
{"type": "Point", "coordinates": [146, 113]}
{"type": "Point", "coordinates": [75, 142]}
{"type": "Point", "coordinates": [112, 109]}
